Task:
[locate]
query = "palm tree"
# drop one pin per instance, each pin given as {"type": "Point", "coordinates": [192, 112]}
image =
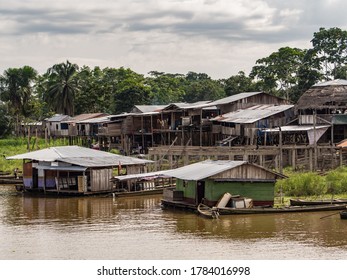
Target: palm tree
{"type": "Point", "coordinates": [62, 87]}
{"type": "Point", "coordinates": [16, 89]}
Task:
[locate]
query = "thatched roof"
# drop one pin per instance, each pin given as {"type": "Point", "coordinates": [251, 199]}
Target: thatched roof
{"type": "Point", "coordinates": [327, 95]}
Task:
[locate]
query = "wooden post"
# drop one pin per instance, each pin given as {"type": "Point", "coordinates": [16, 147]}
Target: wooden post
{"type": "Point", "coordinates": [310, 152]}
{"type": "Point", "coordinates": [315, 141]}
{"type": "Point", "coordinates": [200, 127]}
{"type": "Point", "coordinates": [36, 140]}
{"type": "Point", "coordinates": [294, 151]}
{"type": "Point", "coordinates": [28, 146]}
{"type": "Point", "coordinates": [155, 162]}
{"type": "Point", "coordinates": [152, 144]}
{"type": "Point", "coordinates": [45, 137]}
{"type": "Point", "coordinates": [170, 160]}
{"type": "Point", "coordinates": [143, 137]}
{"type": "Point", "coordinates": [281, 151]}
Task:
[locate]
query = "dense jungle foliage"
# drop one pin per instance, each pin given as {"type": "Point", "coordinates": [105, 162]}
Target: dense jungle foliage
{"type": "Point", "coordinates": [67, 88]}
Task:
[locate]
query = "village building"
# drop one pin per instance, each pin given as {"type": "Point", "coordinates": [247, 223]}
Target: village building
{"type": "Point", "coordinates": [325, 104]}
{"type": "Point", "coordinates": [75, 170]}
{"type": "Point", "coordinates": [244, 126]}
{"type": "Point", "coordinates": [208, 181]}
{"type": "Point", "coordinates": [57, 126]}
{"type": "Point", "coordinates": [77, 127]}
{"type": "Point", "coordinates": [32, 129]}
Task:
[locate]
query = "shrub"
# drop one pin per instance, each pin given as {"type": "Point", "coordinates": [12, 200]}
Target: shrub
{"type": "Point", "coordinates": [302, 184]}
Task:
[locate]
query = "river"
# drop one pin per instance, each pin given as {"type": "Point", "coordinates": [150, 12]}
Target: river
{"type": "Point", "coordinates": [137, 228]}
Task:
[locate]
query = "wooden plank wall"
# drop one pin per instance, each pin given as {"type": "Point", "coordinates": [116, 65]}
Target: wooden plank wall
{"type": "Point", "coordinates": [100, 179]}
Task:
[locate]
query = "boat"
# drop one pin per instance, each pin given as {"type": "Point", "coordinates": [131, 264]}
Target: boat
{"type": "Point", "coordinates": [157, 190]}
{"type": "Point", "coordinates": [301, 202]}
{"type": "Point", "coordinates": [286, 209]}
{"type": "Point", "coordinates": [207, 211]}
{"type": "Point", "coordinates": [343, 215]}
{"type": "Point", "coordinates": [10, 180]}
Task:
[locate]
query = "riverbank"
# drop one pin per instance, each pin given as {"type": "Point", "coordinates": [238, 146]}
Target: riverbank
{"type": "Point", "coordinates": [18, 145]}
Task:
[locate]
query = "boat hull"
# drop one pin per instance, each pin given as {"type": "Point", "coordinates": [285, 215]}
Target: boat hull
{"type": "Point", "coordinates": [300, 202]}
{"type": "Point", "coordinates": [343, 215]}
{"type": "Point", "coordinates": [289, 209]}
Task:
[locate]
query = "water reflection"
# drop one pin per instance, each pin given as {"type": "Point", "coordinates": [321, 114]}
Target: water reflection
{"type": "Point", "coordinates": [138, 228]}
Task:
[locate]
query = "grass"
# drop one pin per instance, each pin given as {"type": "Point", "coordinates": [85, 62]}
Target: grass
{"type": "Point", "coordinates": [15, 146]}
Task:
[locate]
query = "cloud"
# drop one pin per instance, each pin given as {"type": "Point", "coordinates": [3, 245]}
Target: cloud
{"type": "Point", "coordinates": [211, 36]}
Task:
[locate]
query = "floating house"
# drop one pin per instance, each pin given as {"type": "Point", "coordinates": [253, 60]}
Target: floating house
{"type": "Point", "coordinates": [75, 170]}
{"type": "Point", "coordinates": [208, 181]}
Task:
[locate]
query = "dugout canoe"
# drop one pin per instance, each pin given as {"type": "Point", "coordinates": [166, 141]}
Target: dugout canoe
{"type": "Point", "coordinates": [288, 209]}
{"type": "Point", "coordinates": [301, 202]}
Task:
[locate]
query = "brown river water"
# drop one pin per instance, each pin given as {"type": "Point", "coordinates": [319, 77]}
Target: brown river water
{"type": "Point", "coordinates": [137, 228]}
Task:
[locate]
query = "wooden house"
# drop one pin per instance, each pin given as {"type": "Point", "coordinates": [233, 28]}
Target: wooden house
{"type": "Point", "coordinates": [208, 180]}
{"type": "Point", "coordinates": [77, 127]}
{"type": "Point", "coordinates": [186, 124]}
{"type": "Point", "coordinates": [57, 125]}
{"type": "Point", "coordinates": [325, 104]}
{"type": "Point", "coordinates": [75, 170]}
{"type": "Point", "coordinates": [242, 126]}
{"type": "Point", "coordinates": [246, 100]}
{"type": "Point", "coordinates": [33, 128]}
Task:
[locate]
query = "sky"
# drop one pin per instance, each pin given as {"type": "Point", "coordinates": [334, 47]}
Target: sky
{"type": "Point", "coordinates": [216, 37]}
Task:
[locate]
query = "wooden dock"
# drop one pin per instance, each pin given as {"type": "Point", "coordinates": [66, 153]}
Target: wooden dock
{"type": "Point", "coordinates": [299, 157]}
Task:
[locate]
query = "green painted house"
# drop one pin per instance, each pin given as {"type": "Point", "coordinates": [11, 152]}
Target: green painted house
{"type": "Point", "coordinates": [208, 180]}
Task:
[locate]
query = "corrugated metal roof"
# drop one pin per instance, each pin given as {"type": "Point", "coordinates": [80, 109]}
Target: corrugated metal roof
{"type": "Point", "coordinates": [147, 108]}
{"type": "Point", "coordinates": [96, 120]}
{"type": "Point", "coordinates": [182, 106]}
{"type": "Point", "coordinates": [82, 117]}
{"type": "Point", "coordinates": [234, 98]}
{"type": "Point", "coordinates": [58, 118]}
{"type": "Point", "coordinates": [337, 82]}
{"type": "Point", "coordinates": [202, 170]}
{"type": "Point", "coordinates": [80, 156]}
{"type": "Point", "coordinates": [293, 128]}
{"type": "Point", "coordinates": [252, 114]}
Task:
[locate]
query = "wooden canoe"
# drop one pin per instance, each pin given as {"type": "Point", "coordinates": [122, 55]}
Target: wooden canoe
{"type": "Point", "coordinates": [288, 209]}
{"type": "Point", "coordinates": [301, 202]}
{"type": "Point", "coordinates": [207, 211]}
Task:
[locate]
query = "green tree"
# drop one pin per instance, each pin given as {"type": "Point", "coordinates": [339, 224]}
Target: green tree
{"type": "Point", "coordinates": [16, 89]}
{"type": "Point", "coordinates": [278, 73]}
{"type": "Point", "coordinates": [239, 83]}
{"type": "Point", "coordinates": [166, 88]}
{"type": "Point", "coordinates": [62, 87]}
{"type": "Point", "coordinates": [4, 120]}
{"type": "Point", "coordinates": [94, 93]}
{"type": "Point", "coordinates": [330, 51]}
{"type": "Point", "coordinates": [129, 90]}
{"type": "Point", "coordinates": [200, 87]}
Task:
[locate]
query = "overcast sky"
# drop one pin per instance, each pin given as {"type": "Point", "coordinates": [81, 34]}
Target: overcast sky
{"type": "Point", "coordinates": [216, 37]}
